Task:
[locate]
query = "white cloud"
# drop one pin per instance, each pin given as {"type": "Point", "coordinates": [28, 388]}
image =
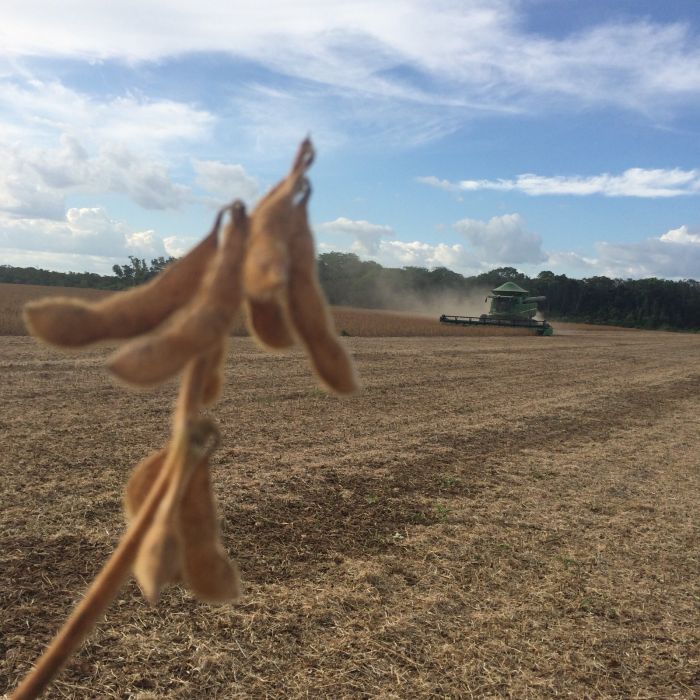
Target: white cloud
{"type": "Point", "coordinates": [634, 182]}
{"type": "Point", "coordinates": [366, 236]}
{"type": "Point", "coordinates": [40, 108]}
{"type": "Point", "coordinates": [649, 258]}
{"type": "Point", "coordinates": [145, 243]}
{"type": "Point", "coordinates": [61, 262]}
{"type": "Point", "coordinates": [257, 108]}
{"type": "Point", "coordinates": [177, 246]}
{"type": "Point", "coordinates": [85, 231]}
{"type": "Point", "coordinates": [226, 181]}
{"type": "Point", "coordinates": [472, 54]}
{"type": "Point", "coordinates": [674, 254]}
{"type": "Point", "coordinates": [681, 235]}
{"type": "Point", "coordinates": [378, 242]}
{"type": "Point", "coordinates": [421, 254]}
{"type": "Point", "coordinates": [502, 240]}
{"type": "Point", "coordinates": [34, 181]}
{"type": "Point", "coordinates": [571, 260]}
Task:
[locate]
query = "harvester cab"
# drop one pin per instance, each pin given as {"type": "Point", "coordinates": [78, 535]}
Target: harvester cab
{"type": "Point", "coordinates": [511, 306]}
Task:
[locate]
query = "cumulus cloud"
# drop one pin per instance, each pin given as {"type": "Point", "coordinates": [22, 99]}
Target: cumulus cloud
{"type": "Point", "coordinates": [379, 242]}
{"type": "Point", "coordinates": [505, 240]}
{"type": "Point", "coordinates": [681, 235]}
{"type": "Point", "coordinates": [634, 182]}
{"type": "Point", "coordinates": [421, 254]}
{"type": "Point", "coordinates": [675, 254]}
{"type": "Point", "coordinates": [502, 240]}
{"type": "Point", "coordinates": [476, 55]}
{"type": "Point", "coordinates": [35, 181]}
{"type": "Point", "coordinates": [177, 246]}
{"type": "Point", "coordinates": [366, 237]}
{"type": "Point", "coordinates": [226, 181]}
{"type": "Point", "coordinates": [84, 231]}
{"type": "Point", "coordinates": [144, 243]}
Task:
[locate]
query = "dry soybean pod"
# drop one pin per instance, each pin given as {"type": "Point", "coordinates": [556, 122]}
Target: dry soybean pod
{"type": "Point", "coordinates": [265, 272]}
{"type": "Point", "coordinates": [73, 323]}
{"type": "Point", "coordinates": [268, 323]}
{"type": "Point", "coordinates": [196, 390]}
{"type": "Point", "coordinates": [207, 569]}
{"type": "Point", "coordinates": [308, 310]}
{"type": "Point", "coordinates": [141, 481]}
{"type": "Point", "coordinates": [159, 559]}
{"type": "Point", "coordinates": [197, 327]}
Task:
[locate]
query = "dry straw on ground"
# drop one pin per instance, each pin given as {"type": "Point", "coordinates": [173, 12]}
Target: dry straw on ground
{"type": "Point", "coordinates": [181, 321]}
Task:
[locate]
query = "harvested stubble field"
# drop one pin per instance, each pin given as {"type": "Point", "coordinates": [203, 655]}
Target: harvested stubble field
{"type": "Point", "coordinates": [490, 517]}
{"type": "Point", "coordinates": [14, 296]}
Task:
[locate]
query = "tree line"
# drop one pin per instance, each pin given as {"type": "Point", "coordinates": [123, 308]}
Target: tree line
{"type": "Point", "coordinates": [646, 303]}
{"type": "Point", "coordinates": [348, 281]}
{"type": "Point", "coordinates": [136, 271]}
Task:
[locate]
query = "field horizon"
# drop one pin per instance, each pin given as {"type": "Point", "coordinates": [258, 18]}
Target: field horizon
{"type": "Point", "coordinates": [349, 321]}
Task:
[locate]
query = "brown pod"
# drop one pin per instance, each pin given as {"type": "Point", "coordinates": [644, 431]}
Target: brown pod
{"type": "Point", "coordinates": [141, 481]}
{"type": "Point", "coordinates": [207, 569]}
{"type": "Point", "coordinates": [265, 272]}
{"type": "Point", "coordinates": [159, 559]}
{"type": "Point", "coordinates": [308, 310]}
{"type": "Point", "coordinates": [268, 323]}
{"type": "Point", "coordinates": [198, 326]}
{"type": "Point", "coordinates": [73, 323]}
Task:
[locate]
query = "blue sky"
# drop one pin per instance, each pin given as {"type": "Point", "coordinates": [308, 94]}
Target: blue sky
{"type": "Point", "coordinates": [542, 134]}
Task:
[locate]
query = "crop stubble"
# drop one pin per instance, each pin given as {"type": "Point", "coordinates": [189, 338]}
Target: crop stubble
{"type": "Point", "coordinates": [506, 517]}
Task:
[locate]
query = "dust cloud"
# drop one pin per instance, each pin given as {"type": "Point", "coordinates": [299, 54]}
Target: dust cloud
{"type": "Point", "coordinates": [448, 303]}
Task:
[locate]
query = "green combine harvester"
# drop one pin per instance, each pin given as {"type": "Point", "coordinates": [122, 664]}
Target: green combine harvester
{"type": "Point", "coordinates": [511, 307]}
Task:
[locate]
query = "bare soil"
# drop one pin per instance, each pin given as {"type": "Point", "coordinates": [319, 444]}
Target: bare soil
{"type": "Point", "coordinates": [510, 517]}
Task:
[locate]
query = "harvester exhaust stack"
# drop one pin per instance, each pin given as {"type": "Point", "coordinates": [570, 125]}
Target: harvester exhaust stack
{"type": "Point", "coordinates": [511, 307]}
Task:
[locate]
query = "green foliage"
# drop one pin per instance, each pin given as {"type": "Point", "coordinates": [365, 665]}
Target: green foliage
{"type": "Point", "coordinates": [647, 303]}
{"type": "Point", "coordinates": [33, 275]}
{"type": "Point", "coordinates": [136, 272]}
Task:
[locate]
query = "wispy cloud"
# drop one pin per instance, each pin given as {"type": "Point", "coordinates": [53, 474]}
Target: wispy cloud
{"type": "Point", "coordinates": [634, 182]}
{"type": "Point", "coordinates": [471, 55]}
{"type": "Point", "coordinates": [39, 109]}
